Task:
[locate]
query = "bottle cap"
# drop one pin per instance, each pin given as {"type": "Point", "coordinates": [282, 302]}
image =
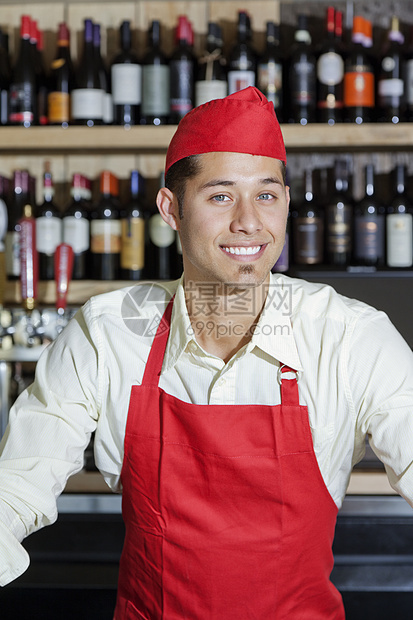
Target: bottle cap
{"type": "Point", "coordinates": [63, 35]}
{"type": "Point", "coordinates": [109, 183]}
{"type": "Point", "coordinates": [25, 27]}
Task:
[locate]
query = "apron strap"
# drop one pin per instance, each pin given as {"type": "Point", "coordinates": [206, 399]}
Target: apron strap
{"type": "Point", "coordinates": [156, 354]}
{"type": "Point", "coordinates": [289, 387]}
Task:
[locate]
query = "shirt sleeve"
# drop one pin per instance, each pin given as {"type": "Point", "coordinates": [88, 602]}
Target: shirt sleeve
{"type": "Point", "coordinates": [50, 426]}
{"type": "Point", "coordinates": [380, 373]}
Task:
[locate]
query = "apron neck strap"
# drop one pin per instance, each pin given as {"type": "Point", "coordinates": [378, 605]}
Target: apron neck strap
{"type": "Point", "coordinates": [289, 386]}
{"type": "Point", "coordinates": [156, 354]}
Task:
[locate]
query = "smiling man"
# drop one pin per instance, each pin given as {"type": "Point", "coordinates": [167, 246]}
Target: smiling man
{"type": "Point", "coordinates": [231, 429]}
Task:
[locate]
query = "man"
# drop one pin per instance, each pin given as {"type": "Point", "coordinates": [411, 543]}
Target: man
{"type": "Point", "coordinates": [231, 470]}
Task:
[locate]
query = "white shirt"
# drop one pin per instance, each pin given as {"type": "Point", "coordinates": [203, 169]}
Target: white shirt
{"type": "Point", "coordinates": [355, 376]}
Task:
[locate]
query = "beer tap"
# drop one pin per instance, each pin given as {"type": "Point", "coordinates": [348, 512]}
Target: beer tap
{"type": "Point", "coordinates": [63, 268]}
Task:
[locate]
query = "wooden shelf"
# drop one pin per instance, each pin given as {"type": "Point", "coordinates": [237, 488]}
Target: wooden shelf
{"type": "Point", "coordinates": [145, 139]}
{"type": "Point", "coordinates": [79, 291]}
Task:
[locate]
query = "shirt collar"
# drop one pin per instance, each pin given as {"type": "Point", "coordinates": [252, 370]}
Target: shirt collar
{"type": "Point", "coordinates": [273, 334]}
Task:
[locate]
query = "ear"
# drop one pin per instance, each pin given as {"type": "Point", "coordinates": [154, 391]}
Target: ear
{"type": "Point", "coordinates": [168, 207]}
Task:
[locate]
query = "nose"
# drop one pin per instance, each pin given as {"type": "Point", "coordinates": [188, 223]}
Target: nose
{"type": "Point", "coordinates": [246, 218]}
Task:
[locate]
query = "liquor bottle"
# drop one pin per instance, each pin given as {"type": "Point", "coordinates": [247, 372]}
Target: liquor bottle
{"type": "Point", "coordinates": [339, 218]}
{"type": "Point", "coordinates": [182, 66]}
{"type": "Point", "coordinates": [42, 85]}
{"type": "Point", "coordinates": [19, 197]}
{"type": "Point", "coordinates": [307, 223]}
{"type": "Point", "coordinates": [132, 256]}
{"type": "Point", "coordinates": [104, 77]}
{"type": "Point", "coordinates": [126, 74]}
{"type": "Point", "coordinates": [330, 72]}
{"type": "Point", "coordinates": [22, 93]}
{"type": "Point", "coordinates": [390, 86]}
{"type": "Point", "coordinates": [399, 222]}
{"type": "Point", "coordinates": [5, 76]}
{"type": "Point", "coordinates": [87, 98]}
{"type": "Point", "coordinates": [4, 192]}
{"type": "Point", "coordinates": [62, 80]}
{"type": "Point", "coordinates": [211, 82]}
{"type": "Point", "coordinates": [161, 250]}
{"type": "Point", "coordinates": [155, 81]}
{"type": "Point", "coordinates": [76, 226]}
{"type": "Point", "coordinates": [242, 62]}
{"type": "Point", "coordinates": [359, 75]}
{"type": "Point", "coordinates": [302, 77]}
{"type": "Point", "coordinates": [369, 224]}
{"type": "Point", "coordinates": [270, 69]}
{"type": "Point", "coordinates": [48, 227]}
{"type": "Point", "coordinates": [105, 230]}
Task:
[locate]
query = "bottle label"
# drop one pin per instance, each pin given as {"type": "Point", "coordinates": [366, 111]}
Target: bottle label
{"type": "Point", "coordinates": [88, 103]}
{"type": "Point", "coordinates": [160, 233]}
{"type": "Point", "coordinates": [21, 102]}
{"type": "Point", "coordinates": [48, 234]}
{"type": "Point", "coordinates": [126, 84]}
{"type": "Point", "coordinates": [303, 83]}
{"type": "Point", "coordinates": [399, 229]}
{"type": "Point", "coordinates": [339, 230]}
{"type": "Point", "coordinates": [308, 240]}
{"type": "Point", "coordinates": [107, 108]}
{"type": "Point", "coordinates": [206, 90]}
{"type": "Point", "coordinates": [369, 237]}
{"type": "Point", "coordinates": [59, 107]}
{"type": "Point", "coordinates": [269, 81]}
{"type": "Point", "coordinates": [13, 253]}
{"type": "Point", "coordinates": [409, 82]}
{"type": "Point", "coordinates": [359, 89]}
{"type": "Point", "coordinates": [330, 69]}
{"type": "Point", "coordinates": [393, 87]}
{"type": "Point", "coordinates": [182, 80]}
{"type": "Point", "coordinates": [155, 90]}
{"type": "Point", "coordinates": [238, 80]}
{"type": "Point", "coordinates": [105, 236]}
{"type": "Point", "coordinates": [132, 254]}
{"type": "Point", "coordinates": [3, 223]}
{"type": "Point", "coordinates": [76, 232]}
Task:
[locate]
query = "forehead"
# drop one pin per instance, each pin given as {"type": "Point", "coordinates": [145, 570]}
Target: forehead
{"type": "Point", "coordinates": [233, 166]}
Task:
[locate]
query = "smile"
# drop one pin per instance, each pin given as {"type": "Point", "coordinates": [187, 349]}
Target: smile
{"type": "Point", "coordinates": [242, 250]}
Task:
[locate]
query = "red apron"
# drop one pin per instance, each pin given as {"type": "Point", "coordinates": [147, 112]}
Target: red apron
{"type": "Point", "coordinates": [227, 515]}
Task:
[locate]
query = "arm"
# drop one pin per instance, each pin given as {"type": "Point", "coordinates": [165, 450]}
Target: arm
{"type": "Point", "coordinates": [49, 428]}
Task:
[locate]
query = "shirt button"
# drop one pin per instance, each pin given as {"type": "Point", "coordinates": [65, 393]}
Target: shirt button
{"type": "Point", "coordinates": [222, 381]}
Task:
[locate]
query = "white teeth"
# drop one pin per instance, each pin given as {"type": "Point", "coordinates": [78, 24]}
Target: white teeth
{"type": "Point", "coordinates": [242, 250]}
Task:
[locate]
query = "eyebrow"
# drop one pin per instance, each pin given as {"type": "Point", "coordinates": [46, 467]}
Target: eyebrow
{"type": "Point", "coordinates": [226, 183]}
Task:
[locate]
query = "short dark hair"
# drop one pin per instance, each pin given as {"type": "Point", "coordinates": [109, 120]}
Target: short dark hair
{"type": "Point", "coordinates": [187, 168]}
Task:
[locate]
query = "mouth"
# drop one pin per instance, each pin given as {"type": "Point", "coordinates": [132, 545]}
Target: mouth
{"type": "Point", "coordinates": [242, 251]}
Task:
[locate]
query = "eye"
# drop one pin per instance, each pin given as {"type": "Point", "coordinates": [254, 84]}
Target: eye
{"type": "Point", "coordinates": [266, 196]}
{"type": "Point", "coordinates": [220, 198]}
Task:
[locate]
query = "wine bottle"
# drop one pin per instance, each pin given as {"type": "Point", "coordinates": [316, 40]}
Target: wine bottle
{"type": "Point", "coordinates": [48, 227]}
{"type": "Point", "coordinates": [161, 251]}
{"type": "Point", "coordinates": [104, 77]}
{"type": "Point", "coordinates": [126, 75]}
{"type": "Point", "coordinates": [132, 256]}
{"type": "Point", "coordinates": [330, 72]}
{"type": "Point", "coordinates": [339, 218]}
{"type": "Point", "coordinates": [5, 76]}
{"type": "Point", "coordinates": [19, 197]}
{"type": "Point", "coordinates": [369, 224]}
{"type": "Point", "coordinates": [270, 69]}
{"type": "Point", "coordinates": [88, 96]}
{"type": "Point", "coordinates": [399, 222]}
{"type": "Point", "coordinates": [307, 223]}
{"type": "Point", "coordinates": [76, 226]}
{"type": "Point", "coordinates": [4, 192]}
{"type": "Point", "coordinates": [390, 86]}
{"type": "Point", "coordinates": [155, 105]}
{"type": "Point", "coordinates": [105, 230]}
{"type": "Point", "coordinates": [359, 75]}
{"type": "Point", "coordinates": [408, 79]}
{"type": "Point", "coordinates": [242, 63]}
{"type": "Point", "coordinates": [42, 86]}
{"type": "Point", "coordinates": [211, 82]}
{"type": "Point", "coordinates": [22, 94]}
{"type": "Point", "coordinates": [62, 80]}
{"type": "Point", "coordinates": [182, 72]}
{"type": "Point", "coordinates": [302, 77]}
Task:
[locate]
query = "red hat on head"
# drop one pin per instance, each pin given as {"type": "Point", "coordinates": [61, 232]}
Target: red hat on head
{"type": "Point", "coordinates": [244, 122]}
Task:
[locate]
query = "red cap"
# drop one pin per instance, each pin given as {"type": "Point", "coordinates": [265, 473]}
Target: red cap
{"type": "Point", "coordinates": [244, 122]}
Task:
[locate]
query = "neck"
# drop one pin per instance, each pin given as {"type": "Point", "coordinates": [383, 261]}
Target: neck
{"type": "Point", "coordinates": [223, 316]}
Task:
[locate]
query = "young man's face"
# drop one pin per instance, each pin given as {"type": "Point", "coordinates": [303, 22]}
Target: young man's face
{"type": "Point", "coordinates": [234, 219]}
